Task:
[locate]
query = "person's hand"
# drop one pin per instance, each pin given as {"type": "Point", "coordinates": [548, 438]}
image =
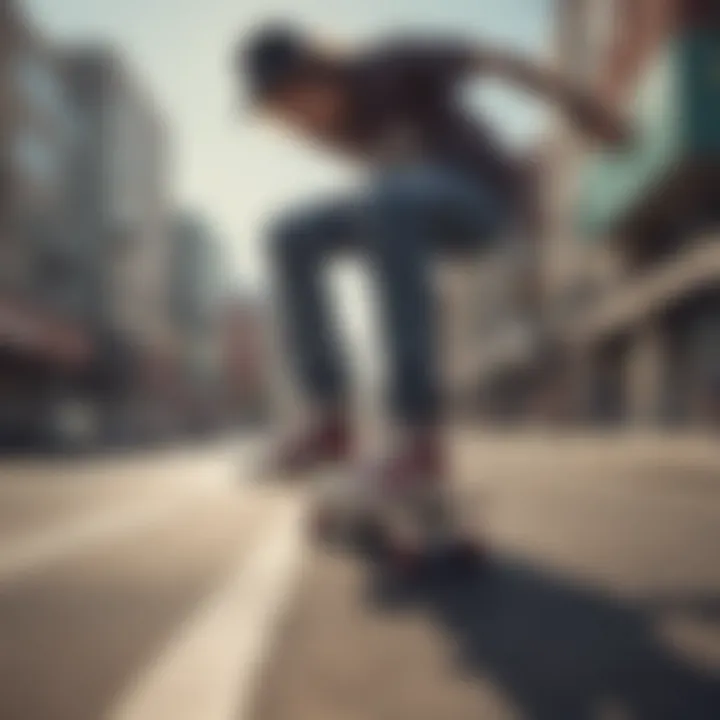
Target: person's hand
{"type": "Point", "coordinates": [600, 122]}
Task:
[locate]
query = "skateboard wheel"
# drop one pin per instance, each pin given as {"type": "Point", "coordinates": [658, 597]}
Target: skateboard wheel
{"type": "Point", "coordinates": [405, 559]}
{"type": "Point", "coordinates": [467, 552]}
{"type": "Point", "coordinates": [459, 559]}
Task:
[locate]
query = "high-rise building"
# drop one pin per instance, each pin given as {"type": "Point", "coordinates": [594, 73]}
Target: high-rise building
{"type": "Point", "coordinates": [196, 273]}
{"type": "Point", "coordinates": [39, 254]}
{"type": "Point", "coordinates": [119, 193]}
{"type": "Point", "coordinates": [245, 360]}
{"type": "Point", "coordinates": [118, 206]}
{"type": "Point", "coordinates": [195, 293]}
{"type": "Point", "coordinates": [43, 344]}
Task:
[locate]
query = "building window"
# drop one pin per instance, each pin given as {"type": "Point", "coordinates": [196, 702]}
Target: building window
{"type": "Point", "coordinates": [36, 159]}
{"type": "Point", "coordinates": [39, 86]}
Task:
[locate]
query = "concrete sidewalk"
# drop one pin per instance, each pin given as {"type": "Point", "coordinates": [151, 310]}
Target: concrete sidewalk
{"type": "Point", "coordinates": [131, 587]}
{"type": "Point", "coordinates": [601, 600]}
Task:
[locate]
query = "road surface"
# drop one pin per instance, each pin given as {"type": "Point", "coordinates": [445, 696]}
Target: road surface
{"type": "Point", "coordinates": [172, 584]}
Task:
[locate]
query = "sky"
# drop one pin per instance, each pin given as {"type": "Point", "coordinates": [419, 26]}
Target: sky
{"type": "Point", "coordinates": [226, 164]}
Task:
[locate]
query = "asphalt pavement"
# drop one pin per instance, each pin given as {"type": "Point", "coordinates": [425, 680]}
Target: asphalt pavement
{"type": "Point", "coordinates": [176, 584]}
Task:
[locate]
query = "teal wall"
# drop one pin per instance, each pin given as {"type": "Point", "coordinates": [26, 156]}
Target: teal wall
{"type": "Point", "coordinates": [677, 118]}
{"type": "Point", "coordinates": [701, 82]}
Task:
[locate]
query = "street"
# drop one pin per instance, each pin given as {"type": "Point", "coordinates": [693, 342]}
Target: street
{"type": "Point", "coordinates": [173, 584]}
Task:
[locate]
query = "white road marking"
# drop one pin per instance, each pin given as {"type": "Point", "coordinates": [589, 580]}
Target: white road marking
{"type": "Point", "coordinates": [211, 668]}
{"type": "Point", "coordinates": [22, 555]}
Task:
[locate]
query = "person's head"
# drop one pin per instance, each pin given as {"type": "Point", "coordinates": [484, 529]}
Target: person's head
{"type": "Point", "coordinates": [292, 79]}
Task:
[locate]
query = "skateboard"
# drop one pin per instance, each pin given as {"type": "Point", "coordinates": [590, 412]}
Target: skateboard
{"type": "Point", "coordinates": [411, 536]}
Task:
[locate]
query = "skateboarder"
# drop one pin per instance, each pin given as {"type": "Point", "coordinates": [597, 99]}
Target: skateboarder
{"type": "Point", "coordinates": [437, 182]}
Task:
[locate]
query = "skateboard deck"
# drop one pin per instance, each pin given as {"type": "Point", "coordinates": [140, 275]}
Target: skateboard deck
{"type": "Point", "coordinates": [347, 516]}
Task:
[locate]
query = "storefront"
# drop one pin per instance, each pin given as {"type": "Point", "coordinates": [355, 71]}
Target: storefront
{"type": "Point", "coordinates": [44, 362]}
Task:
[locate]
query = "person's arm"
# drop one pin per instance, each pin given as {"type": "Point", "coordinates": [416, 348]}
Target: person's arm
{"type": "Point", "coordinates": [590, 114]}
{"type": "Point", "coordinates": [441, 60]}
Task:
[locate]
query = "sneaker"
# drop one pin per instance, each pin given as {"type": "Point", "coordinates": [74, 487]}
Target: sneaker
{"type": "Point", "coordinates": [327, 439]}
{"type": "Point", "coordinates": [410, 482]}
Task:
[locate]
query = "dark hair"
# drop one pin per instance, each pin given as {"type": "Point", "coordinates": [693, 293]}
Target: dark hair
{"type": "Point", "coordinates": [274, 56]}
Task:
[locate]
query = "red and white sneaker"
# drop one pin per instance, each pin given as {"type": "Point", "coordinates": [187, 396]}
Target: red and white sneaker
{"type": "Point", "coordinates": [370, 497]}
{"type": "Point", "coordinates": [327, 439]}
{"type": "Point", "coordinates": [399, 492]}
{"type": "Point", "coordinates": [412, 508]}
{"type": "Point", "coordinates": [414, 467]}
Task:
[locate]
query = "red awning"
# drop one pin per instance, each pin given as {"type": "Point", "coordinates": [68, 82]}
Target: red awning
{"type": "Point", "coordinates": [34, 332]}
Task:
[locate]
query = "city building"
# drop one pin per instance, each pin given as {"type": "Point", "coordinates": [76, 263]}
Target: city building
{"type": "Point", "coordinates": [196, 290]}
{"type": "Point", "coordinates": [119, 209]}
{"type": "Point", "coordinates": [245, 369]}
{"type": "Point", "coordinates": [44, 347]}
{"type": "Point", "coordinates": [631, 258]}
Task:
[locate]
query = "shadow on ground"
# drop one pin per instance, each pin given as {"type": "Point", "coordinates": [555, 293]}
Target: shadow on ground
{"type": "Point", "coordinates": [561, 651]}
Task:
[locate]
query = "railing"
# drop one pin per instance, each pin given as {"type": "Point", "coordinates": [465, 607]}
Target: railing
{"type": "Point", "coordinates": [652, 291]}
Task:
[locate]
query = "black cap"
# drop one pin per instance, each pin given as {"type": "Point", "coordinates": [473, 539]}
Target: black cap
{"type": "Point", "coordinates": [273, 56]}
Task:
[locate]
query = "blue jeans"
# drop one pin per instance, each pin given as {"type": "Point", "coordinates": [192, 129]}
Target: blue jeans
{"type": "Point", "coordinates": [399, 225]}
